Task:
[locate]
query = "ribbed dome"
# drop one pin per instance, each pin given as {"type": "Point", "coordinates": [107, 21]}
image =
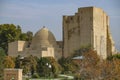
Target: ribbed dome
{"type": "Point", "coordinates": [43, 38]}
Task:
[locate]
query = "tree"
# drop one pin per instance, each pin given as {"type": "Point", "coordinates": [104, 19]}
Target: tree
{"type": "Point", "coordinates": [2, 56]}
{"type": "Point", "coordinates": [115, 56]}
{"type": "Point", "coordinates": [18, 60]}
{"type": "Point", "coordinates": [28, 64]}
{"type": "Point", "coordinates": [23, 36]}
{"type": "Point", "coordinates": [94, 68]}
{"type": "Point", "coordinates": [109, 70]}
{"type": "Point", "coordinates": [68, 65]}
{"type": "Point", "coordinates": [29, 36]}
{"type": "Point", "coordinates": [8, 33]}
{"type": "Point", "coordinates": [44, 68]}
{"type": "Point", "coordinates": [56, 68]}
{"type": "Point", "coordinates": [89, 66]}
{"type": "Point", "coordinates": [26, 36]}
{"type": "Point", "coordinates": [81, 51]}
{"type": "Point", "coordinates": [8, 62]}
{"type": "Point", "coordinates": [33, 63]}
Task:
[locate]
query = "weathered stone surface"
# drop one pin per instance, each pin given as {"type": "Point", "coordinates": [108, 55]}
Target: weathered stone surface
{"type": "Point", "coordinates": [43, 45]}
{"type": "Point", "coordinates": [12, 74]}
{"type": "Point", "coordinates": [89, 26]}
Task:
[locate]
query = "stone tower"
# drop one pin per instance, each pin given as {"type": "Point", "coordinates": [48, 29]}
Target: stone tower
{"type": "Point", "coordinates": [89, 26]}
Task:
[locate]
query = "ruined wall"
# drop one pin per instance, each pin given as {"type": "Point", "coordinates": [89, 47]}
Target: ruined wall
{"type": "Point", "coordinates": [48, 52]}
{"type": "Point", "coordinates": [87, 27]}
{"type": "Point", "coordinates": [14, 48]}
{"type": "Point", "coordinates": [110, 42]}
{"type": "Point", "coordinates": [21, 48]}
{"type": "Point", "coordinates": [77, 30]}
{"type": "Point", "coordinates": [100, 31]}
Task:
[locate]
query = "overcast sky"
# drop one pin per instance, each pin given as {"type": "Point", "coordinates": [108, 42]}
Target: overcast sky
{"type": "Point", "coordinates": [32, 15]}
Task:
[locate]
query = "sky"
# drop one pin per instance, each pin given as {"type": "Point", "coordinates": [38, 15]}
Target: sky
{"type": "Point", "coordinates": [32, 15]}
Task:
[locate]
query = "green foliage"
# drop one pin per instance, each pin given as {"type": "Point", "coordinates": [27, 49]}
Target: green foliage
{"type": "Point", "coordinates": [28, 64]}
{"type": "Point", "coordinates": [27, 78]}
{"type": "Point", "coordinates": [77, 77]}
{"type": "Point", "coordinates": [26, 36]}
{"type": "Point", "coordinates": [23, 36]}
{"type": "Point", "coordinates": [18, 62]}
{"type": "Point", "coordinates": [56, 68]}
{"type": "Point", "coordinates": [35, 76]}
{"type": "Point", "coordinates": [33, 63]}
{"type": "Point", "coordinates": [45, 70]}
{"type": "Point", "coordinates": [2, 56]}
{"type": "Point", "coordinates": [2, 53]}
{"type": "Point", "coordinates": [29, 36]}
{"type": "Point", "coordinates": [81, 51]}
{"type": "Point", "coordinates": [68, 65]}
{"type": "Point", "coordinates": [8, 62]}
{"type": "Point", "coordinates": [8, 33]}
{"type": "Point", "coordinates": [115, 56]}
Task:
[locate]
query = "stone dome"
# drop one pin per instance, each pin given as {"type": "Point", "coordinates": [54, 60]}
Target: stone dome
{"type": "Point", "coordinates": [43, 38]}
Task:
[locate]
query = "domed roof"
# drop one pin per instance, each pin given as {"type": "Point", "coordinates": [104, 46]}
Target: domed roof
{"type": "Point", "coordinates": [43, 38]}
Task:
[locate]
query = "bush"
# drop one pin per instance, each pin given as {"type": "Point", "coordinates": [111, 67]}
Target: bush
{"type": "Point", "coordinates": [55, 75]}
{"type": "Point", "coordinates": [69, 65]}
{"type": "Point", "coordinates": [43, 66]}
{"type": "Point", "coordinates": [115, 56]}
{"type": "Point", "coordinates": [77, 77]}
{"type": "Point", "coordinates": [27, 78]}
{"type": "Point", "coordinates": [35, 76]}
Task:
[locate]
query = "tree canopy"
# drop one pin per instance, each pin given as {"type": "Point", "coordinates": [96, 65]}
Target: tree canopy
{"type": "Point", "coordinates": [28, 64]}
{"type": "Point", "coordinates": [10, 33]}
{"type": "Point", "coordinates": [8, 62]}
{"type": "Point", "coordinates": [44, 68]}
